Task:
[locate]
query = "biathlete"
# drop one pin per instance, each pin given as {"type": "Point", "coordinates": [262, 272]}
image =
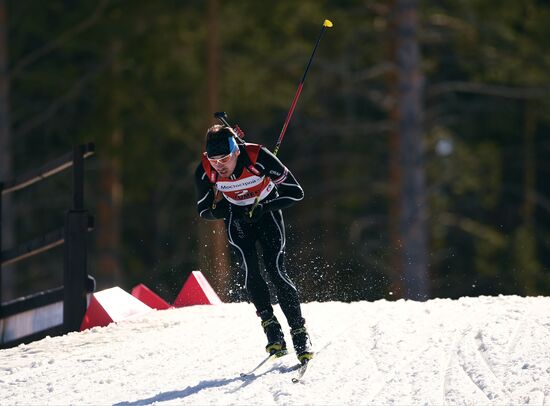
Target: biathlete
{"type": "Point", "coordinates": [247, 186]}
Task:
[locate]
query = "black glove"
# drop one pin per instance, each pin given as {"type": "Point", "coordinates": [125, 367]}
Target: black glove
{"type": "Point", "coordinates": [221, 210]}
{"type": "Point", "coordinates": [238, 212]}
{"type": "Point", "coordinates": [254, 213]}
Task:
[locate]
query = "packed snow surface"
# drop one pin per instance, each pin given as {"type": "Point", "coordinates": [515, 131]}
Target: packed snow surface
{"type": "Point", "coordinates": [472, 351]}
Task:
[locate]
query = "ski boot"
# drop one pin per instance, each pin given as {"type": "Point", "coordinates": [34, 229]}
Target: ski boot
{"type": "Point", "coordinates": [276, 344]}
{"type": "Point", "coordinates": [302, 344]}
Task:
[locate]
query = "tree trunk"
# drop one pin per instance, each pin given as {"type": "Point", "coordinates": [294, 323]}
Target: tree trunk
{"type": "Point", "coordinates": [6, 170]}
{"type": "Point", "coordinates": [109, 209]}
{"type": "Point", "coordinates": [411, 242]}
{"type": "Point", "coordinates": [213, 252]}
{"type": "Point", "coordinates": [529, 173]}
{"type": "Point", "coordinates": [525, 243]}
{"type": "Point", "coordinates": [394, 187]}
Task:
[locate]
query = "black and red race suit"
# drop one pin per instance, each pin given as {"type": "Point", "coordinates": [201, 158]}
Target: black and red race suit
{"type": "Point", "coordinates": [258, 174]}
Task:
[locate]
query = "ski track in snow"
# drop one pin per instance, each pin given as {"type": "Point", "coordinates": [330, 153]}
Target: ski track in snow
{"type": "Point", "coordinates": [472, 351]}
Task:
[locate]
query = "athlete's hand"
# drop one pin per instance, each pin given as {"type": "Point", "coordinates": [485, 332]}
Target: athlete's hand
{"type": "Point", "coordinates": [254, 213]}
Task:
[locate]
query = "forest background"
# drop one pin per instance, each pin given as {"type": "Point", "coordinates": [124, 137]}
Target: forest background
{"type": "Point", "coordinates": [420, 139]}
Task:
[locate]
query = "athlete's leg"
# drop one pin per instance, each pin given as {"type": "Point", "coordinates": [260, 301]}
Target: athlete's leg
{"type": "Point", "coordinates": [242, 237]}
{"type": "Point", "coordinates": [271, 233]}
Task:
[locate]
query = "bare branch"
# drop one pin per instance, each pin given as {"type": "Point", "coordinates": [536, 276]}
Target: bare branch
{"type": "Point", "coordinates": [57, 104]}
{"type": "Point", "coordinates": [512, 92]}
{"type": "Point", "coordinates": [473, 227]}
{"type": "Point", "coordinates": [59, 41]}
{"type": "Point", "coordinates": [373, 72]}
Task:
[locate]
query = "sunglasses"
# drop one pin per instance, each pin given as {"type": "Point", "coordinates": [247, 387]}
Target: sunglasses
{"type": "Point", "coordinates": [223, 160]}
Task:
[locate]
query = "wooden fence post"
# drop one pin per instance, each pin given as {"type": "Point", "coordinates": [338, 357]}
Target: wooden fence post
{"type": "Point", "coordinates": [1, 188]}
{"type": "Point", "coordinates": [75, 272]}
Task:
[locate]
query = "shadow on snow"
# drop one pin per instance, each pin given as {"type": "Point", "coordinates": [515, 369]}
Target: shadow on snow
{"type": "Point", "coordinates": [202, 385]}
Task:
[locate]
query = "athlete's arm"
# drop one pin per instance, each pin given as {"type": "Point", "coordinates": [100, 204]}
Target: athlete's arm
{"type": "Point", "coordinates": [205, 197]}
{"type": "Point", "coordinates": [288, 188]}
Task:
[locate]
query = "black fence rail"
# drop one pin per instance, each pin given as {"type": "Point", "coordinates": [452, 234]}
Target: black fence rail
{"type": "Point", "coordinates": [60, 310]}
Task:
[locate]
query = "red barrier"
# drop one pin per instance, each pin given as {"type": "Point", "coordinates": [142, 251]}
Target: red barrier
{"type": "Point", "coordinates": [111, 305]}
{"type": "Point", "coordinates": [149, 297]}
{"type": "Point", "coordinates": [196, 291]}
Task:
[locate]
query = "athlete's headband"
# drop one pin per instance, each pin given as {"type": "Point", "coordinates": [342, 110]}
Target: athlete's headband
{"type": "Point", "coordinates": [221, 143]}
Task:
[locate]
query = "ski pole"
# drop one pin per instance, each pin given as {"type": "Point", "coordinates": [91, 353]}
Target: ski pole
{"type": "Point", "coordinates": [222, 115]}
{"type": "Point", "coordinates": [326, 24]}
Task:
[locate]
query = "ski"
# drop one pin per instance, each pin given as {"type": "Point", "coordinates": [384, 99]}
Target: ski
{"type": "Point", "coordinates": [264, 361]}
{"type": "Point", "coordinates": [303, 367]}
{"type": "Point", "coordinates": [301, 372]}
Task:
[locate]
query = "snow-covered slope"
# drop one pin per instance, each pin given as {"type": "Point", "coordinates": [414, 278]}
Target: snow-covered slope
{"type": "Point", "coordinates": [475, 351]}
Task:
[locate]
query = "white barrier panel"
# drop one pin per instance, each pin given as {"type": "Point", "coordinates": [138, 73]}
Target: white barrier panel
{"type": "Point", "coordinates": [30, 322]}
